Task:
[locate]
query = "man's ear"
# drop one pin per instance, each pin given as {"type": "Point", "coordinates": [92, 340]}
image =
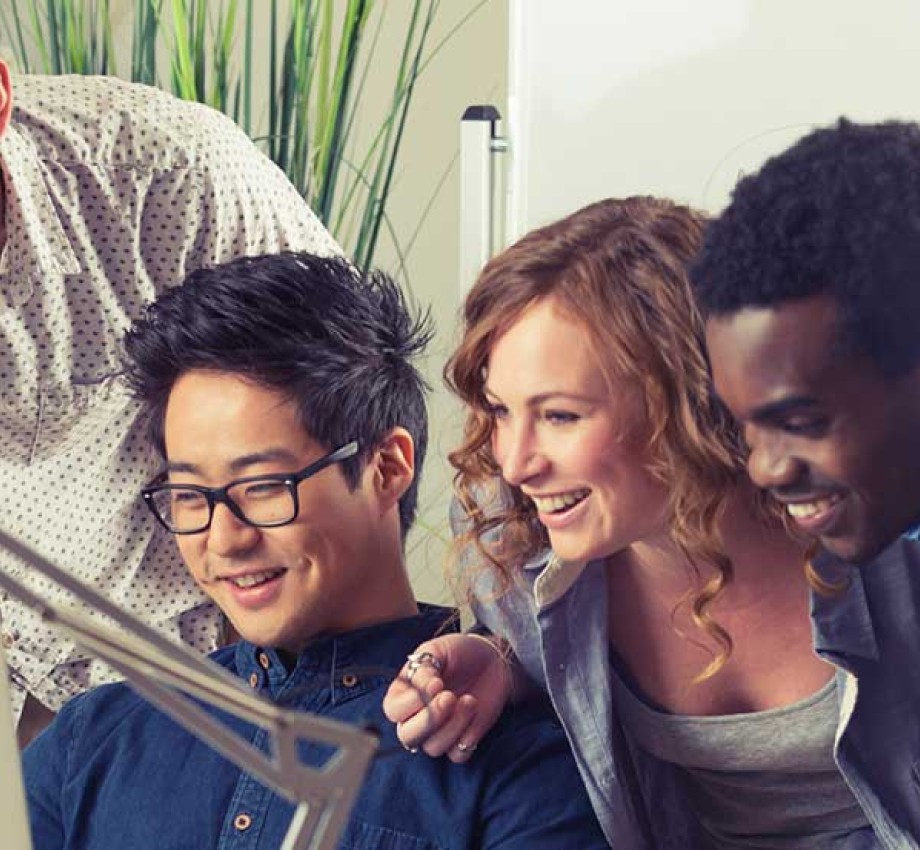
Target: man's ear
{"type": "Point", "coordinates": [6, 96]}
{"type": "Point", "coordinates": [394, 465]}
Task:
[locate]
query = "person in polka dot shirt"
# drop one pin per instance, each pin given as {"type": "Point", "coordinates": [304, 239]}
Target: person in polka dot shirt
{"type": "Point", "coordinates": [110, 192]}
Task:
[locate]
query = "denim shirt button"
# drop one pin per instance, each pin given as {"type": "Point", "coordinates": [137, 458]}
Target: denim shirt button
{"type": "Point", "coordinates": [242, 821]}
{"type": "Point", "coordinates": [264, 661]}
{"type": "Point", "coordinates": [254, 680]}
{"type": "Point", "coordinates": [349, 680]}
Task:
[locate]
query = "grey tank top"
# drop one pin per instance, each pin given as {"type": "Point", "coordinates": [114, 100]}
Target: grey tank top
{"type": "Point", "coordinates": [766, 779]}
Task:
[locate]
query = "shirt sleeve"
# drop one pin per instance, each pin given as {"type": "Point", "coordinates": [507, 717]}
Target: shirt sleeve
{"type": "Point", "coordinates": [507, 612]}
{"type": "Point", "coordinates": [534, 798]}
{"type": "Point", "coordinates": [228, 200]}
{"type": "Point", "coordinates": [44, 769]}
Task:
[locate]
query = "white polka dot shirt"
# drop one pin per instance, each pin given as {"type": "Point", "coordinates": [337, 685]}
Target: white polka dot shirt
{"type": "Point", "coordinates": [113, 192]}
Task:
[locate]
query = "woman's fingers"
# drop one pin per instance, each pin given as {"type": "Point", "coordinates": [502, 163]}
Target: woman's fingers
{"type": "Point", "coordinates": [411, 691]}
{"type": "Point", "coordinates": [415, 731]}
{"type": "Point", "coordinates": [448, 694]}
{"type": "Point", "coordinates": [451, 738]}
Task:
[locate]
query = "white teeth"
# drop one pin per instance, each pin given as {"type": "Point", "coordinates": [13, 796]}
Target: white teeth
{"type": "Point", "coordinates": [551, 504]}
{"type": "Point", "coordinates": [253, 579]}
{"type": "Point", "coordinates": [807, 510]}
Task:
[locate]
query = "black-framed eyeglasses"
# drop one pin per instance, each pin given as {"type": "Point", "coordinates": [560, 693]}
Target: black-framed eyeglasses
{"type": "Point", "coordinates": [265, 501]}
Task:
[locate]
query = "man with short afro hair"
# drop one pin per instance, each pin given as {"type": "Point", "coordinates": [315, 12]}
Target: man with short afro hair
{"type": "Point", "coordinates": [810, 286]}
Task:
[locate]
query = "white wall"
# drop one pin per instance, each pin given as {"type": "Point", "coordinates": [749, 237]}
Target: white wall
{"type": "Point", "coordinates": [677, 97]}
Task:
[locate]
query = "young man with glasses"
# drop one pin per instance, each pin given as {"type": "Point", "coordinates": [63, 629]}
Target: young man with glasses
{"type": "Point", "coordinates": [281, 395]}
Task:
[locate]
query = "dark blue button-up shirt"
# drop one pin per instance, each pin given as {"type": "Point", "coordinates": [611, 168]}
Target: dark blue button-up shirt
{"type": "Point", "coordinates": [114, 772]}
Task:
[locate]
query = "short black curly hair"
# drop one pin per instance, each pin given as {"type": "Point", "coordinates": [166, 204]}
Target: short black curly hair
{"type": "Point", "coordinates": [838, 213]}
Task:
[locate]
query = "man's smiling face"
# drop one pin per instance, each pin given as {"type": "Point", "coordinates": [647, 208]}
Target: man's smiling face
{"type": "Point", "coordinates": [281, 586]}
{"type": "Point", "coordinates": [830, 436]}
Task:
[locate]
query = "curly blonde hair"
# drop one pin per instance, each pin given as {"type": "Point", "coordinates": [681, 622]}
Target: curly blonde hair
{"type": "Point", "coordinates": [619, 268]}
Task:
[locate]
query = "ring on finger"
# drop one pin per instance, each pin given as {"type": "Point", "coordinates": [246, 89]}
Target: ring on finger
{"type": "Point", "coordinates": [465, 748]}
{"type": "Point", "coordinates": [420, 659]}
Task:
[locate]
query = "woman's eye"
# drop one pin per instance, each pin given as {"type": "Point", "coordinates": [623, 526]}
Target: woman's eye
{"type": "Point", "coordinates": [497, 411]}
{"type": "Point", "coordinates": [560, 417]}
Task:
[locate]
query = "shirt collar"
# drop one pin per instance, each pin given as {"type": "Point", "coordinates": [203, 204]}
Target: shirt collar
{"type": "Point", "coordinates": [912, 533]}
{"type": "Point", "coordinates": [841, 621]}
{"type": "Point", "coordinates": [379, 649]}
{"type": "Point", "coordinates": [555, 578]}
{"type": "Point", "coordinates": [37, 243]}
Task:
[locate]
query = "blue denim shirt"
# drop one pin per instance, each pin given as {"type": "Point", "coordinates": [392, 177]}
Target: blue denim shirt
{"type": "Point", "coordinates": [112, 772]}
{"type": "Point", "coordinates": [556, 620]}
{"type": "Point", "coordinates": [870, 631]}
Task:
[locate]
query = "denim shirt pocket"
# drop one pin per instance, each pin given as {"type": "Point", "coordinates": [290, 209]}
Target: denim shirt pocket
{"type": "Point", "coordinates": [360, 835]}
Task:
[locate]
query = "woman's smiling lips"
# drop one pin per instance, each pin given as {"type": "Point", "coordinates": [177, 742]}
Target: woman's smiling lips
{"type": "Point", "coordinates": [556, 509]}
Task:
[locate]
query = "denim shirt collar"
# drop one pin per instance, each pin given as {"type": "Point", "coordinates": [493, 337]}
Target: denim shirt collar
{"type": "Point", "coordinates": [553, 577]}
{"type": "Point", "coordinates": [354, 662]}
{"type": "Point", "coordinates": [841, 622]}
{"type": "Point", "coordinates": [912, 533]}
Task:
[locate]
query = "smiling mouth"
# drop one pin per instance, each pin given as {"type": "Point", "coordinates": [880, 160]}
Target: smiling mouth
{"type": "Point", "coordinates": [804, 511]}
{"type": "Point", "coordinates": [559, 503]}
{"type": "Point", "coordinates": [254, 579]}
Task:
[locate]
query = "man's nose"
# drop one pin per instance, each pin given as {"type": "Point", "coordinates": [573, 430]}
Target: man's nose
{"type": "Point", "coordinates": [770, 464]}
{"type": "Point", "coordinates": [228, 534]}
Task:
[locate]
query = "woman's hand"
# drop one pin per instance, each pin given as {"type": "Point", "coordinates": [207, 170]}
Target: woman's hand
{"type": "Point", "coordinates": [446, 700]}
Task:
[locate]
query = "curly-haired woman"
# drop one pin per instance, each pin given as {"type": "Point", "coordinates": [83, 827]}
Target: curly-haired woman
{"type": "Point", "coordinates": [612, 542]}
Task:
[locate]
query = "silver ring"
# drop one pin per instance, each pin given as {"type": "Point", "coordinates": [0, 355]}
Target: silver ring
{"type": "Point", "coordinates": [419, 659]}
{"type": "Point", "coordinates": [465, 748]}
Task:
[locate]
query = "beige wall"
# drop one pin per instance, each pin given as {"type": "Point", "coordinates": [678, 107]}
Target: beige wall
{"type": "Point", "coordinates": [471, 68]}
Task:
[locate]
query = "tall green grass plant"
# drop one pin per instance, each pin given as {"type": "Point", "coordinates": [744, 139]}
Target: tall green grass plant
{"type": "Point", "coordinates": [320, 55]}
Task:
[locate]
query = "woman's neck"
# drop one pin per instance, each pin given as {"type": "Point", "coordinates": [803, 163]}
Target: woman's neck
{"type": "Point", "coordinates": [759, 553]}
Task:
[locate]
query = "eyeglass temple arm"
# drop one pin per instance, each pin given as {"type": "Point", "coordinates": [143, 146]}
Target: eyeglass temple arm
{"type": "Point", "coordinates": [166, 673]}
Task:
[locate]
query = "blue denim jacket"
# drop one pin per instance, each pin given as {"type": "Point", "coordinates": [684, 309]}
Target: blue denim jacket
{"type": "Point", "coordinates": [556, 619]}
{"type": "Point", "coordinates": [113, 772]}
{"type": "Point", "coordinates": [870, 631]}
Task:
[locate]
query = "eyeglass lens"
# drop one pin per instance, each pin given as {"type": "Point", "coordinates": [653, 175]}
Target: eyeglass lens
{"type": "Point", "coordinates": [260, 502]}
